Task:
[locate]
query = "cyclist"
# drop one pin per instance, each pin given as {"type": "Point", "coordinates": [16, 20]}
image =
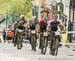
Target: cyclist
{"type": "Point", "coordinates": [55, 25]}
{"type": "Point", "coordinates": [42, 27]}
{"type": "Point", "coordinates": [32, 27]}
{"type": "Point", "coordinates": [19, 25]}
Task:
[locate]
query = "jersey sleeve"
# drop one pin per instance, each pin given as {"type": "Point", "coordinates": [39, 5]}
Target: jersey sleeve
{"type": "Point", "coordinates": [60, 21]}
{"type": "Point", "coordinates": [49, 23]}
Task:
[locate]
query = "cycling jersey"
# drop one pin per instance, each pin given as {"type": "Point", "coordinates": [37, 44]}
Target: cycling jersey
{"type": "Point", "coordinates": [43, 25]}
{"type": "Point", "coordinates": [21, 27]}
{"type": "Point", "coordinates": [54, 25]}
{"type": "Point", "coordinates": [33, 26]}
{"type": "Point", "coordinates": [21, 24]}
{"type": "Point", "coordinates": [41, 22]}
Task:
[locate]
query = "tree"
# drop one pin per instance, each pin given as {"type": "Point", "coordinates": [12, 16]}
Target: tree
{"type": "Point", "coordinates": [16, 8]}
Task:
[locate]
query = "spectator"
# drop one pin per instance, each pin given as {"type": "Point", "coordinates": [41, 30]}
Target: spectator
{"type": "Point", "coordinates": [4, 35]}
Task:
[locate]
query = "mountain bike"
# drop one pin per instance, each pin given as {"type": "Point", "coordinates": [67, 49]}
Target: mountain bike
{"type": "Point", "coordinates": [33, 39]}
{"type": "Point", "coordinates": [19, 38]}
{"type": "Point", "coordinates": [44, 42]}
{"type": "Point", "coordinates": [54, 42]}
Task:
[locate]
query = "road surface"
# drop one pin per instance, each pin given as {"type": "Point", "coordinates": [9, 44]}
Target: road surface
{"type": "Point", "coordinates": [10, 53]}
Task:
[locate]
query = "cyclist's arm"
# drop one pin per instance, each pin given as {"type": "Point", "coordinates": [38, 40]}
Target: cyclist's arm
{"type": "Point", "coordinates": [37, 27]}
{"type": "Point", "coordinates": [64, 28]}
{"type": "Point", "coordinates": [61, 25]}
{"type": "Point", "coordinates": [49, 25]}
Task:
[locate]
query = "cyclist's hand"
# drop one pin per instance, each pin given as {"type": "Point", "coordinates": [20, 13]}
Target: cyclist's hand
{"type": "Point", "coordinates": [64, 31]}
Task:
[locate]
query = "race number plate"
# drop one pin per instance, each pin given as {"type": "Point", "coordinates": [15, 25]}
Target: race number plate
{"type": "Point", "coordinates": [45, 34]}
{"type": "Point", "coordinates": [20, 30]}
{"type": "Point", "coordinates": [33, 32]}
{"type": "Point", "coordinates": [57, 33]}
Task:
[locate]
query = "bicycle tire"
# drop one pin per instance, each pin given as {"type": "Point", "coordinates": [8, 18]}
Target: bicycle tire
{"type": "Point", "coordinates": [56, 47]}
{"type": "Point", "coordinates": [44, 46]}
{"type": "Point", "coordinates": [34, 44]}
{"type": "Point", "coordinates": [19, 42]}
{"type": "Point", "coordinates": [52, 48]}
{"type": "Point", "coordinates": [46, 43]}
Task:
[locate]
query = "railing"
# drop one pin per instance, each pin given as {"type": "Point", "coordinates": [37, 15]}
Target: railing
{"type": "Point", "coordinates": [68, 41]}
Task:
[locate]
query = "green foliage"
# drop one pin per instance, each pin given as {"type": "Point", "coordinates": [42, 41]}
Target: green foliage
{"type": "Point", "coordinates": [16, 7]}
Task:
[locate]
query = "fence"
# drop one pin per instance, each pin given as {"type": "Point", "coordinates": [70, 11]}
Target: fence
{"type": "Point", "coordinates": [66, 38]}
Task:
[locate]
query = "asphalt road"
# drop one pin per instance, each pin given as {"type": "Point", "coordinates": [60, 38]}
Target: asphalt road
{"type": "Point", "coordinates": [10, 53]}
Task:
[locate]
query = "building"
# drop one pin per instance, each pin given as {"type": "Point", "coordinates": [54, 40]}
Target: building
{"type": "Point", "coordinates": [72, 10]}
{"type": "Point", "coordinates": [37, 7]}
{"type": "Point", "coordinates": [72, 14]}
{"type": "Point", "coordinates": [61, 7]}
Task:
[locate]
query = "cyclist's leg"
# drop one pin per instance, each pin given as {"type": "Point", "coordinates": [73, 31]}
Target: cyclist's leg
{"type": "Point", "coordinates": [15, 38]}
{"type": "Point", "coordinates": [36, 39]}
{"type": "Point", "coordinates": [59, 39]}
{"type": "Point", "coordinates": [22, 39]}
{"type": "Point", "coordinates": [40, 40]}
{"type": "Point", "coordinates": [51, 44]}
{"type": "Point", "coordinates": [30, 38]}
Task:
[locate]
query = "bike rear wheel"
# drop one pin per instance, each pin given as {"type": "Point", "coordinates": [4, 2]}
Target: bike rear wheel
{"type": "Point", "coordinates": [33, 42]}
{"type": "Point", "coordinates": [19, 42]}
{"type": "Point", "coordinates": [54, 47]}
